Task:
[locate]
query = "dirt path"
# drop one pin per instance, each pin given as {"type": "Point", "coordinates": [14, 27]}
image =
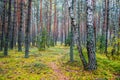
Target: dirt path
{"type": "Point", "coordinates": [57, 71]}
{"type": "Point", "coordinates": [56, 68]}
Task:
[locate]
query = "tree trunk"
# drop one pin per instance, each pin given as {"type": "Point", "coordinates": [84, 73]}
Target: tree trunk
{"type": "Point", "coordinates": [49, 25]}
{"type": "Point", "coordinates": [20, 28]}
{"type": "Point", "coordinates": [33, 27]}
{"type": "Point", "coordinates": [71, 44]}
{"type": "Point", "coordinates": [92, 63]}
{"type": "Point", "coordinates": [106, 24]}
{"type": "Point", "coordinates": [41, 23]}
{"type": "Point", "coordinates": [71, 9]}
{"type": "Point", "coordinates": [55, 22]}
{"type": "Point", "coordinates": [27, 37]}
{"type": "Point", "coordinates": [14, 24]}
{"type": "Point", "coordinates": [8, 30]}
{"type": "Point", "coordinates": [3, 26]}
{"type": "Point", "coordinates": [84, 62]}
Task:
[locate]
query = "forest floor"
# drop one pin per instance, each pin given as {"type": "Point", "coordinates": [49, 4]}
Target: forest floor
{"type": "Point", "coordinates": [53, 64]}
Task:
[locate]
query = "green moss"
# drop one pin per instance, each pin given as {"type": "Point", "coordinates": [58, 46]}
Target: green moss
{"type": "Point", "coordinates": [36, 67]}
{"type": "Point", "coordinates": [105, 71]}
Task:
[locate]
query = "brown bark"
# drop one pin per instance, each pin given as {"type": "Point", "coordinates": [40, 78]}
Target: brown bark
{"type": "Point", "coordinates": [41, 21]}
{"type": "Point", "coordinates": [27, 37]}
{"type": "Point", "coordinates": [55, 22]}
{"type": "Point", "coordinates": [106, 24]}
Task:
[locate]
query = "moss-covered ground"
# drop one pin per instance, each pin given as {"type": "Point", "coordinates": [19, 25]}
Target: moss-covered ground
{"type": "Point", "coordinates": [53, 64]}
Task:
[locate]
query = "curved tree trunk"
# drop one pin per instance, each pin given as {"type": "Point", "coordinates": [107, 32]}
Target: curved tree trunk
{"type": "Point", "coordinates": [92, 63]}
{"type": "Point", "coordinates": [84, 62]}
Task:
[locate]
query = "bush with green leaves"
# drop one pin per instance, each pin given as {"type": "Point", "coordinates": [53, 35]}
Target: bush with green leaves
{"type": "Point", "coordinates": [50, 41]}
{"type": "Point", "coordinates": [101, 43]}
{"type": "Point", "coordinates": [42, 39]}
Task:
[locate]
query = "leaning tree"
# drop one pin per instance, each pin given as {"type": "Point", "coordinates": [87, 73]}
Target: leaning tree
{"type": "Point", "coordinates": [92, 63]}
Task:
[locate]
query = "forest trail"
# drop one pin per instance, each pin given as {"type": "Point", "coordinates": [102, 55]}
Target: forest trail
{"type": "Point", "coordinates": [56, 68]}
{"type": "Point", "coordinates": [53, 64]}
{"type": "Point", "coordinates": [58, 71]}
{"type": "Point", "coordinates": [41, 65]}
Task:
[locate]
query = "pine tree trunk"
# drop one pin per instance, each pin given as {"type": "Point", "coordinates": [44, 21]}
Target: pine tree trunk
{"type": "Point", "coordinates": [50, 18]}
{"type": "Point", "coordinates": [55, 22]}
{"type": "Point", "coordinates": [106, 20]}
{"type": "Point", "coordinates": [33, 27]}
{"type": "Point", "coordinates": [27, 37]}
{"type": "Point", "coordinates": [107, 23]}
{"type": "Point", "coordinates": [20, 27]}
{"type": "Point", "coordinates": [3, 26]}
{"type": "Point", "coordinates": [14, 25]}
{"type": "Point", "coordinates": [41, 21]}
{"type": "Point", "coordinates": [8, 30]}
